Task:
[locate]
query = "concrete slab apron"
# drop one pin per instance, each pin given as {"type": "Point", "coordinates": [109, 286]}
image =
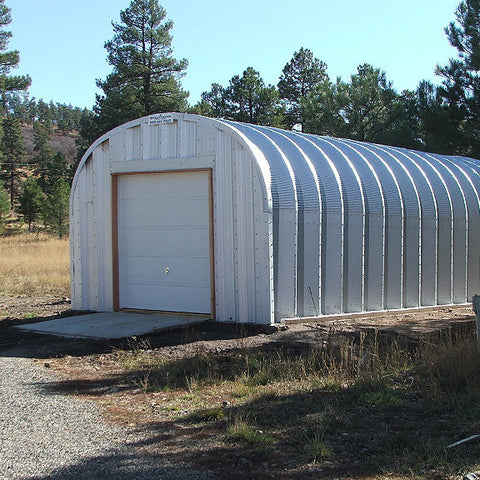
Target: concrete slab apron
{"type": "Point", "coordinates": [106, 325]}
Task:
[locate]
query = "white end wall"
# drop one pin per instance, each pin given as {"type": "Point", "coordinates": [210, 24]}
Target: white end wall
{"type": "Point", "coordinates": [242, 222]}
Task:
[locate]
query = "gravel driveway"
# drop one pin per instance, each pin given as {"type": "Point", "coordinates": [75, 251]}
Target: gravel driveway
{"type": "Point", "coordinates": [47, 435]}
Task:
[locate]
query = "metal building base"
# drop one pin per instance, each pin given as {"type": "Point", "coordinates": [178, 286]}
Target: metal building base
{"type": "Point", "coordinates": [377, 313]}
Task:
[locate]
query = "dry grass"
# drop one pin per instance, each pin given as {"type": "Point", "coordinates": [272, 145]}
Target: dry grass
{"type": "Point", "coordinates": [34, 264]}
{"type": "Point", "coordinates": [451, 366]}
{"type": "Point", "coordinates": [402, 406]}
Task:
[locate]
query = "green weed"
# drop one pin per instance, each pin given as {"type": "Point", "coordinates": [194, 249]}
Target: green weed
{"type": "Point", "coordinates": [242, 431]}
{"type": "Point", "coordinates": [213, 414]}
{"type": "Point", "coordinates": [315, 449]}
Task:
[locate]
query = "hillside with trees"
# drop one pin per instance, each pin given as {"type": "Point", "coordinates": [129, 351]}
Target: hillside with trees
{"type": "Point", "coordinates": [40, 142]}
{"type": "Point", "coordinates": [39, 149]}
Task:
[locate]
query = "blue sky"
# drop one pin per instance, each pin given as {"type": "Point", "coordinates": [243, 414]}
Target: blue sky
{"type": "Point", "coordinates": [61, 42]}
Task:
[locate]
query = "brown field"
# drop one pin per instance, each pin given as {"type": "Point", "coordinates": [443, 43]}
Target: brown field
{"type": "Point", "coordinates": [34, 264]}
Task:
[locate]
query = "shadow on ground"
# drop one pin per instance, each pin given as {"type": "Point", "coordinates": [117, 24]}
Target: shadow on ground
{"type": "Point", "coordinates": [363, 441]}
{"type": "Point", "coordinates": [366, 431]}
{"type": "Point", "coordinates": [124, 466]}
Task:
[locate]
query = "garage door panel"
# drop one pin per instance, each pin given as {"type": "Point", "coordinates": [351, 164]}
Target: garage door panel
{"type": "Point", "coordinates": [147, 241]}
{"type": "Point", "coordinates": [149, 297]}
{"type": "Point", "coordinates": [164, 249]}
{"type": "Point", "coordinates": [169, 189]}
{"type": "Point", "coordinates": [167, 271]}
{"type": "Point", "coordinates": [166, 214]}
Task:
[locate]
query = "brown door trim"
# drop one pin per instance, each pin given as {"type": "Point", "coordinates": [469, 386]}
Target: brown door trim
{"type": "Point", "coordinates": [115, 252]}
{"type": "Point", "coordinates": [116, 294]}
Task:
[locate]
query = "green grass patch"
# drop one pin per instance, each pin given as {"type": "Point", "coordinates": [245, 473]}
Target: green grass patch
{"type": "Point", "coordinates": [213, 414]}
{"type": "Point", "coordinates": [377, 397]}
{"type": "Point", "coordinates": [314, 448]}
{"type": "Point", "coordinates": [244, 432]}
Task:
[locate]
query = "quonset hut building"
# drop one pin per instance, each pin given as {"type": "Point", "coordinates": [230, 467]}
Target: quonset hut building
{"type": "Point", "coordinates": [243, 223]}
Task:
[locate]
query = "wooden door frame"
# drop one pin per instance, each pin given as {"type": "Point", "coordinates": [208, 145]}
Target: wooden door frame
{"type": "Point", "coordinates": [115, 253]}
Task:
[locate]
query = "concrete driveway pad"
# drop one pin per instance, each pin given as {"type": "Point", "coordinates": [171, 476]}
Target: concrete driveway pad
{"type": "Point", "coordinates": [106, 325]}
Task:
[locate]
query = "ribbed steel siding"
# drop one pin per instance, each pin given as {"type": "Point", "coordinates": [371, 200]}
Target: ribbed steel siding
{"type": "Point", "coordinates": [285, 217]}
{"type": "Point", "coordinates": [243, 235]}
{"type": "Point", "coordinates": [363, 227]}
{"type": "Point", "coordinates": [91, 234]}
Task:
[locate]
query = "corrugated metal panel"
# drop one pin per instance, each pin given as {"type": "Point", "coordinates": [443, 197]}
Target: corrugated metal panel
{"type": "Point", "coordinates": [372, 281]}
{"type": "Point", "coordinates": [352, 191]}
{"type": "Point", "coordinates": [285, 204]}
{"type": "Point", "coordinates": [87, 234]}
{"type": "Point", "coordinates": [224, 229]}
{"type": "Point", "coordinates": [283, 176]}
{"type": "Point", "coordinates": [263, 255]}
{"type": "Point", "coordinates": [308, 221]}
{"type": "Point", "coordinates": [459, 228]}
{"type": "Point", "coordinates": [472, 201]}
{"type": "Point", "coordinates": [133, 143]}
{"type": "Point", "coordinates": [329, 180]}
{"type": "Point", "coordinates": [187, 139]}
{"type": "Point", "coordinates": [354, 223]}
{"type": "Point", "coordinates": [169, 140]}
{"type": "Point", "coordinates": [75, 251]}
{"type": "Point", "coordinates": [420, 213]}
{"type": "Point", "coordinates": [116, 145]}
{"type": "Point", "coordinates": [243, 237]}
{"type": "Point", "coordinates": [306, 179]}
{"type": "Point", "coordinates": [328, 297]}
{"type": "Point", "coordinates": [151, 141]}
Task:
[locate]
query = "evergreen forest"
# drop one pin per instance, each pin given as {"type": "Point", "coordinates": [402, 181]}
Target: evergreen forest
{"type": "Point", "coordinates": [41, 142]}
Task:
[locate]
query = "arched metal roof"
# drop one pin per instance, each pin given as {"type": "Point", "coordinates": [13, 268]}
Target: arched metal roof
{"type": "Point", "coordinates": [309, 170]}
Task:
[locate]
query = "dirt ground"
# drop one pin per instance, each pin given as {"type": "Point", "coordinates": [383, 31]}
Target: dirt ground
{"type": "Point", "coordinates": [87, 368]}
{"type": "Point", "coordinates": [23, 309]}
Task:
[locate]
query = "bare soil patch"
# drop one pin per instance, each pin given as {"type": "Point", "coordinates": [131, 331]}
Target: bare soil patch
{"type": "Point", "coordinates": [357, 398]}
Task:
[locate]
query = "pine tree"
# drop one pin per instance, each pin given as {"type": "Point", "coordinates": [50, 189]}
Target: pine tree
{"type": "Point", "coordinates": [367, 108]}
{"type": "Point", "coordinates": [56, 208]}
{"type": "Point", "coordinates": [367, 105]}
{"type": "Point", "coordinates": [30, 201]}
{"type": "Point", "coordinates": [49, 166]}
{"type": "Point", "coordinates": [13, 148]}
{"type": "Point", "coordinates": [145, 77]}
{"type": "Point", "coordinates": [45, 116]}
{"type": "Point", "coordinates": [12, 141]}
{"type": "Point", "coordinates": [437, 131]}
{"type": "Point", "coordinates": [322, 110]}
{"type": "Point", "coordinates": [212, 103]}
{"type": "Point", "coordinates": [460, 87]}
{"type": "Point", "coordinates": [43, 156]}
{"type": "Point", "coordinates": [300, 76]}
{"type": "Point", "coordinates": [246, 99]}
{"type": "Point", "coordinates": [5, 208]}
{"type": "Point", "coordinates": [9, 59]}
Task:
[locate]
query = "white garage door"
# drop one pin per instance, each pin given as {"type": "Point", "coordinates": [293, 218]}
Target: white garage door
{"type": "Point", "coordinates": [164, 242]}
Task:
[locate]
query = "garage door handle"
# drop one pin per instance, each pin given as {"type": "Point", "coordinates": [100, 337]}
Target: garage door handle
{"type": "Point", "coordinates": [167, 270]}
